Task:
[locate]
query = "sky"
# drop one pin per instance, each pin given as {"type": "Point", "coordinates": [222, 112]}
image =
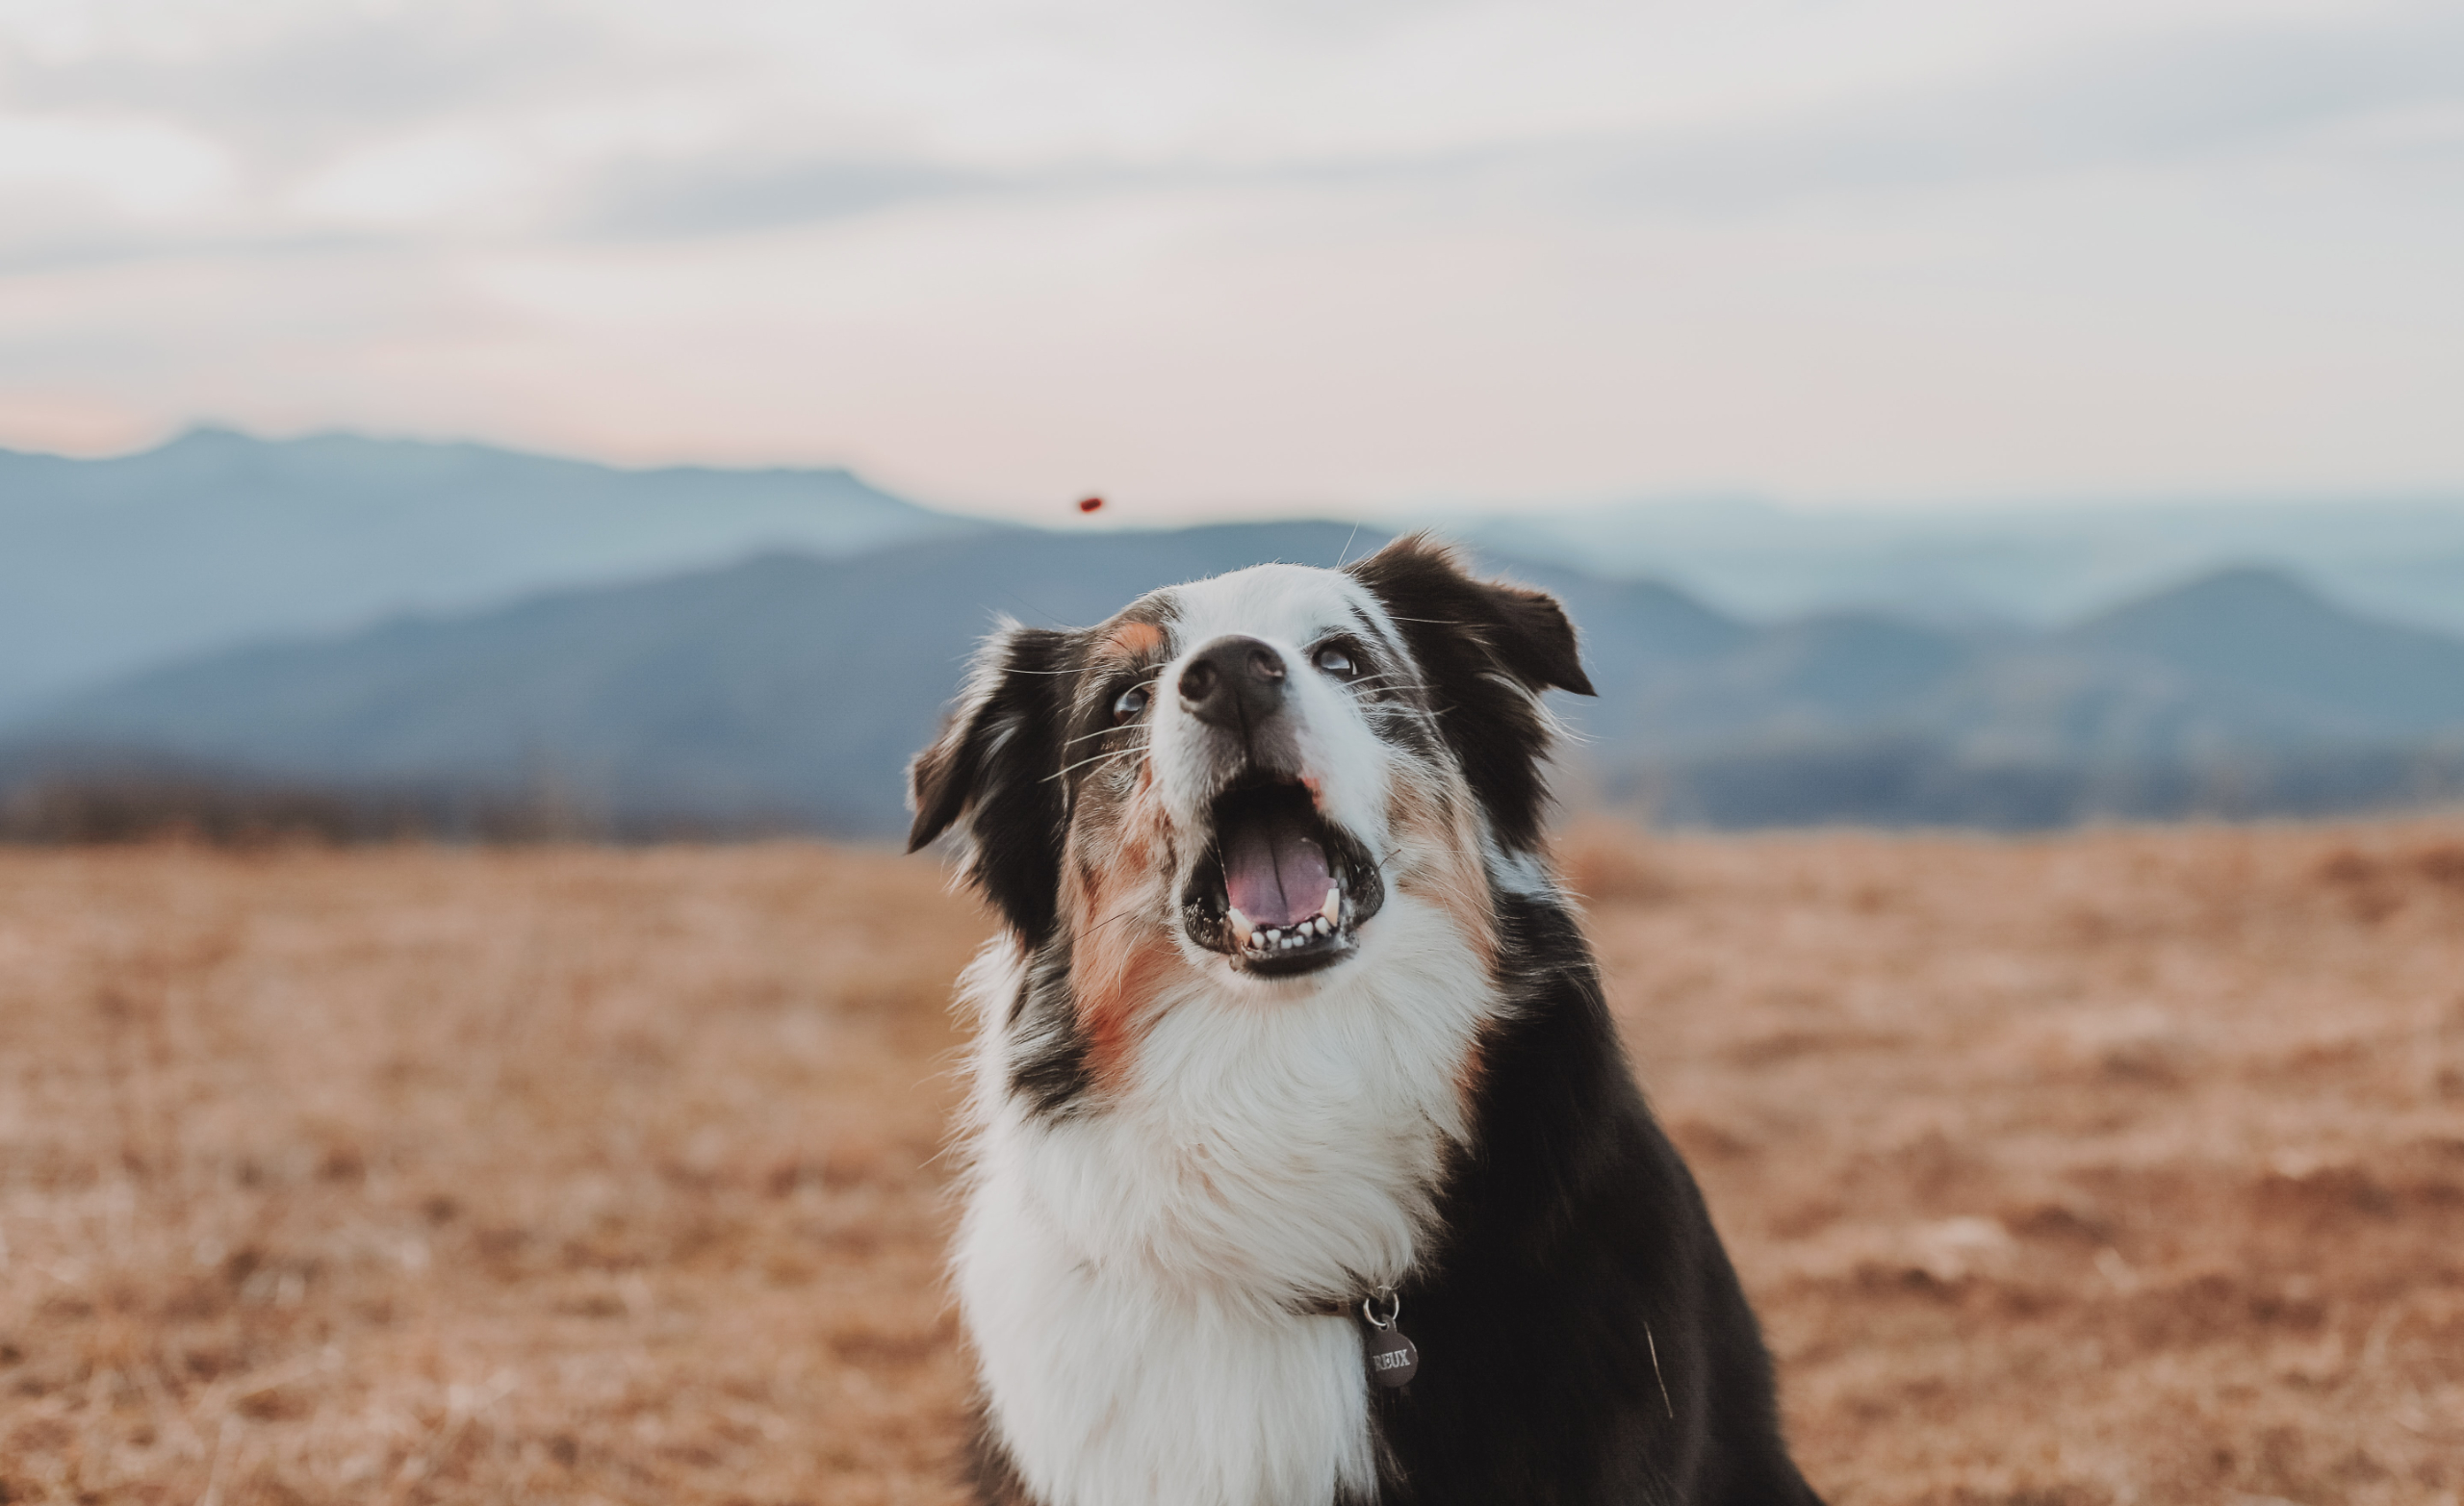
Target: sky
{"type": "Point", "coordinates": [1208, 258]}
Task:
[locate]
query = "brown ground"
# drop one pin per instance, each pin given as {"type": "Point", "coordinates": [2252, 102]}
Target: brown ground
{"type": "Point", "coordinates": [2119, 1167]}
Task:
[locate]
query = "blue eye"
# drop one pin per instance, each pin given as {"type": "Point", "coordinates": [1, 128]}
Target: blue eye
{"type": "Point", "coordinates": [1130, 702]}
{"type": "Point", "coordinates": [1334, 661]}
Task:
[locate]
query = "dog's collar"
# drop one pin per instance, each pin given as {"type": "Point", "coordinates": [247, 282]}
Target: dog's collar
{"type": "Point", "coordinates": [1393, 1359]}
{"type": "Point", "coordinates": [1376, 1306]}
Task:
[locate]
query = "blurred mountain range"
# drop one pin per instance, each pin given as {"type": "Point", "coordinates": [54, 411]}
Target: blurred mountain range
{"type": "Point", "coordinates": [2028, 566]}
{"type": "Point", "coordinates": [420, 625]}
{"type": "Point", "coordinates": [216, 538]}
{"type": "Point", "coordinates": [786, 691]}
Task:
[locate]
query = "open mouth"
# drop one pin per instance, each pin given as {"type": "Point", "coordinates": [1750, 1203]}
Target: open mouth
{"type": "Point", "coordinates": [1281, 891]}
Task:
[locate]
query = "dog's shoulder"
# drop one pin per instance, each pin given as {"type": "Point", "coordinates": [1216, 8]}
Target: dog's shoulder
{"type": "Point", "coordinates": [1583, 1338]}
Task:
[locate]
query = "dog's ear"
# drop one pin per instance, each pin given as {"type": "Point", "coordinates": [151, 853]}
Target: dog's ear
{"type": "Point", "coordinates": [1485, 651]}
{"type": "Point", "coordinates": [1422, 579]}
{"type": "Point", "coordinates": [992, 772]}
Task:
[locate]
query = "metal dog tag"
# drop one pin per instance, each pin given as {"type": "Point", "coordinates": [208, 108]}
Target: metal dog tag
{"type": "Point", "coordinates": [1393, 1359]}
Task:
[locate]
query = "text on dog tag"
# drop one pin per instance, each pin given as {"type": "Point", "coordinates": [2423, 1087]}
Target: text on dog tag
{"type": "Point", "coordinates": [1392, 1358]}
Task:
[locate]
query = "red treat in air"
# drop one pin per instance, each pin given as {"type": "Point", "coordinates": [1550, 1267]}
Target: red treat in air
{"type": "Point", "coordinates": [1088, 504]}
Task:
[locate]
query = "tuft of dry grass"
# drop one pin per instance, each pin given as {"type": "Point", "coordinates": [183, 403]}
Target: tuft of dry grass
{"type": "Point", "coordinates": [2112, 1167]}
{"type": "Point", "coordinates": [417, 1175]}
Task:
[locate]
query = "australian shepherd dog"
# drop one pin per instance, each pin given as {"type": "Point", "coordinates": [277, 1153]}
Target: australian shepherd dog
{"type": "Point", "coordinates": [1305, 1166]}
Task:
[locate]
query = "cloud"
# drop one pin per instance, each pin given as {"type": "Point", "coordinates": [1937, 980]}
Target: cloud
{"type": "Point", "coordinates": [286, 84]}
{"type": "Point", "coordinates": [141, 170]}
{"type": "Point", "coordinates": [2136, 104]}
{"type": "Point", "coordinates": [722, 193]}
{"type": "Point", "coordinates": [546, 118]}
{"type": "Point", "coordinates": [1219, 245]}
{"type": "Point", "coordinates": [2145, 105]}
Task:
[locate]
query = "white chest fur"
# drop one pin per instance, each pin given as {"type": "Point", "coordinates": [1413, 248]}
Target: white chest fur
{"type": "Point", "coordinates": [1127, 1273]}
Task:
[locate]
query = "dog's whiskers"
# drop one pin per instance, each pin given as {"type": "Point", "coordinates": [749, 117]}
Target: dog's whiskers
{"type": "Point", "coordinates": [1101, 758]}
{"type": "Point", "coordinates": [1388, 681]}
{"type": "Point", "coordinates": [1101, 731]}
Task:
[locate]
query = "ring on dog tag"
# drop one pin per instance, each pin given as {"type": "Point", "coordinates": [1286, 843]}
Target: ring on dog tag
{"type": "Point", "coordinates": [1393, 1359]}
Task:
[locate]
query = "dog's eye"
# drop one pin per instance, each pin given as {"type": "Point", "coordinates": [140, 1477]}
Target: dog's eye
{"type": "Point", "coordinates": [1334, 661]}
{"type": "Point", "coordinates": [1128, 703]}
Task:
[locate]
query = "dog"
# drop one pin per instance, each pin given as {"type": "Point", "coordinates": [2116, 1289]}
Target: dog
{"type": "Point", "coordinates": [1305, 1168]}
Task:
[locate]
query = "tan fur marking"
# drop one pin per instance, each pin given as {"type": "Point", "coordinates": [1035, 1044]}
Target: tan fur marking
{"type": "Point", "coordinates": [1112, 1006]}
{"type": "Point", "coordinates": [1439, 845]}
{"type": "Point", "coordinates": [1131, 639]}
{"type": "Point", "coordinates": [1445, 867]}
{"type": "Point", "coordinates": [1121, 953]}
{"type": "Point", "coordinates": [1469, 1072]}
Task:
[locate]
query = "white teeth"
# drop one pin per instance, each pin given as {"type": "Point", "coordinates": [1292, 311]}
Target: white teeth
{"type": "Point", "coordinates": [1260, 941]}
{"type": "Point", "coordinates": [1333, 910]}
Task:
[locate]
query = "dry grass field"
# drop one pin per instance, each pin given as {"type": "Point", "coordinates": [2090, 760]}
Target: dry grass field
{"type": "Point", "coordinates": [2124, 1166]}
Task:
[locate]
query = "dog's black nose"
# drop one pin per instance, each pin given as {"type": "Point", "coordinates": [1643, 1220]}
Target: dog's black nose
{"type": "Point", "coordinates": [1235, 683]}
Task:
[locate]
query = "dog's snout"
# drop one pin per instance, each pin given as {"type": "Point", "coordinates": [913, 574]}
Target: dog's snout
{"type": "Point", "coordinates": [1233, 682]}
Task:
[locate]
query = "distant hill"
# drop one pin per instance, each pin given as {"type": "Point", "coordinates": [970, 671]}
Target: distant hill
{"type": "Point", "coordinates": [2238, 694]}
{"type": "Point", "coordinates": [2040, 566]}
{"type": "Point", "coordinates": [215, 539]}
{"type": "Point", "coordinates": [787, 691]}
{"type": "Point", "coordinates": [2259, 634]}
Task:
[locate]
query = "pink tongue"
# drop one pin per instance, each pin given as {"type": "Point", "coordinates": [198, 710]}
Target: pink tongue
{"type": "Point", "coordinates": [1273, 872]}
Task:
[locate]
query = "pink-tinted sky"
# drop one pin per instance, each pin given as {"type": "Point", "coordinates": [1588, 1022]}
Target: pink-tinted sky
{"type": "Point", "coordinates": [1205, 256]}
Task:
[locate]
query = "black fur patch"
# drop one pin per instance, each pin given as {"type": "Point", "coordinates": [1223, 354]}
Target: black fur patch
{"type": "Point", "coordinates": [997, 763]}
{"type": "Point", "coordinates": [1485, 651]}
{"type": "Point", "coordinates": [1048, 1052]}
{"type": "Point", "coordinates": [1579, 1272]}
{"type": "Point", "coordinates": [1014, 749]}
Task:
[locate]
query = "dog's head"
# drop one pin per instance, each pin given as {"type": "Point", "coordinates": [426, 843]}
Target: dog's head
{"type": "Point", "coordinates": [1240, 773]}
